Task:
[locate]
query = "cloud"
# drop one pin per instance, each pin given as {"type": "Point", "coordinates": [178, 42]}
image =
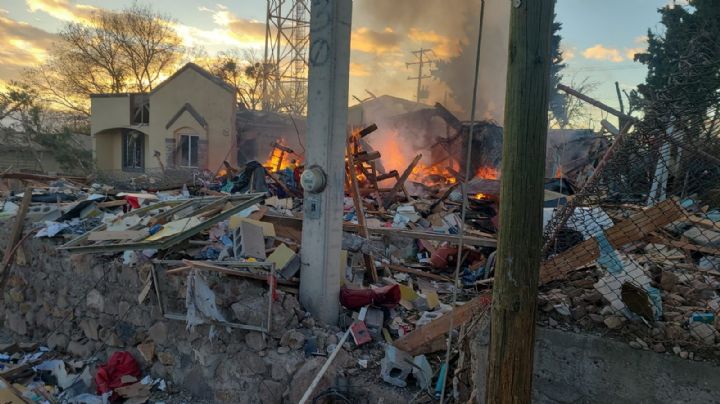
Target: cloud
{"type": "Point", "coordinates": [630, 52]}
{"type": "Point", "coordinates": [229, 30]}
{"type": "Point", "coordinates": [371, 41]}
{"type": "Point", "coordinates": [600, 52]}
{"type": "Point", "coordinates": [641, 46]}
{"type": "Point", "coordinates": [359, 70]}
{"type": "Point", "coordinates": [62, 9]}
{"type": "Point", "coordinates": [673, 3]}
{"type": "Point", "coordinates": [24, 46]}
{"type": "Point", "coordinates": [443, 46]}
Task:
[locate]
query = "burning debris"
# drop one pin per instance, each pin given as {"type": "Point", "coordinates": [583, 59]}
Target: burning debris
{"type": "Point", "coordinates": [221, 253]}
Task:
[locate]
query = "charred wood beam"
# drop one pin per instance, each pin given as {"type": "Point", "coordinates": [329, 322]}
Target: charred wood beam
{"type": "Point", "coordinates": [448, 117]}
{"type": "Point", "coordinates": [391, 174]}
{"type": "Point", "coordinates": [596, 103]}
{"type": "Point", "coordinates": [365, 156]}
{"type": "Point", "coordinates": [401, 181]}
{"type": "Point", "coordinates": [370, 129]}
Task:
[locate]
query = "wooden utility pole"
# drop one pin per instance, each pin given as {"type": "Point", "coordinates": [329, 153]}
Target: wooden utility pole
{"type": "Point", "coordinates": [424, 57]}
{"type": "Point", "coordinates": [514, 306]}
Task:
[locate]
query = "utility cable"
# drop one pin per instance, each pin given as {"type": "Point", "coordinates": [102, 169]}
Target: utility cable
{"type": "Point", "coordinates": [464, 191]}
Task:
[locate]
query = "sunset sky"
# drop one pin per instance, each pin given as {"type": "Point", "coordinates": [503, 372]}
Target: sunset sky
{"type": "Point", "coordinates": [598, 37]}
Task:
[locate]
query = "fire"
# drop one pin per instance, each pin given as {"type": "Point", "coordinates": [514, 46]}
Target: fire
{"type": "Point", "coordinates": [279, 159]}
{"type": "Point", "coordinates": [432, 175]}
{"type": "Point", "coordinates": [480, 196]}
{"type": "Point", "coordinates": [487, 173]}
{"type": "Point", "coordinates": [222, 172]}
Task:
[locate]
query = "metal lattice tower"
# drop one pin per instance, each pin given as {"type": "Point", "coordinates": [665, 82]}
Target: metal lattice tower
{"type": "Point", "coordinates": [286, 44]}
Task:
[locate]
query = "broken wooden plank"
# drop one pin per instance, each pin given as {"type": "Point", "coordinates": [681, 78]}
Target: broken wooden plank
{"type": "Point", "coordinates": [117, 235]}
{"type": "Point", "coordinates": [388, 175]}
{"type": "Point", "coordinates": [240, 202]}
{"type": "Point", "coordinates": [656, 238]}
{"type": "Point", "coordinates": [448, 117]}
{"type": "Point", "coordinates": [422, 235]}
{"type": "Point", "coordinates": [635, 228]}
{"type": "Point", "coordinates": [15, 237]}
{"type": "Point", "coordinates": [390, 198]}
{"type": "Point", "coordinates": [365, 156]}
{"type": "Point", "coordinates": [202, 265]}
{"type": "Point", "coordinates": [415, 343]}
{"type": "Point", "coordinates": [368, 130]}
{"type": "Point", "coordinates": [111, 204]}
{"type": "Point", "coordinates": [359, 212]}
{"type": "Point", "coordinates": [418, 272]}
{"type": "Point", "coordinates": [706, 223]}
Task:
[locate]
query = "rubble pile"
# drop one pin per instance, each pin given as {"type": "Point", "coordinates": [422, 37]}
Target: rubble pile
{"type": "Point", "coordinates": [199, 283]}
{"type": "Point", "coordinates": [181, 279]}
{"type": "Point", "coordinates": [671, 302]}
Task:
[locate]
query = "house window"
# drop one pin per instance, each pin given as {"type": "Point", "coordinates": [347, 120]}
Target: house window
{"type": "Point", "coordinates": [189, 150]}
{"type": "Point", "coordinates": [140, 109]}
{"type": "Point", "coordinates": [133, 151]}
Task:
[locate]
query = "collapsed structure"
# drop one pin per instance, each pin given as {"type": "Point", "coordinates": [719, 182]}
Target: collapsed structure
{"type": "Point", "coordinates": [194, 279]}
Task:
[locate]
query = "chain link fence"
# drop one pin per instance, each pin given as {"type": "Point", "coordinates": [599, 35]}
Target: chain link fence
{"type": "Point", "coordinates": [636, 251]}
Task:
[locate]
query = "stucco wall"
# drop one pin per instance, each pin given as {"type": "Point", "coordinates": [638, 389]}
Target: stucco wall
{"type": "Point", "coordinates": [108, 149]}
{"type": "Point", "coordinates": [213, 102]}
{"type": "Point", "coordinates": [108, 112]}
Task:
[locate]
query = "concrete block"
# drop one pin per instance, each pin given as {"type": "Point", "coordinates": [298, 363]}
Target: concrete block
{"type": "Point", "coordinates": [395, 366]}
{"type": "Point", "coordinates": [249, 241]}
{"type": "Point", "coordinates": [374, 321]}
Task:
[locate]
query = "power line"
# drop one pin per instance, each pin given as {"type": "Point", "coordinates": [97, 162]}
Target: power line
{"type": "Point", "coordinates": [422, 60]}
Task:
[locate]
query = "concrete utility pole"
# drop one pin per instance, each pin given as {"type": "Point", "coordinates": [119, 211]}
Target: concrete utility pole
{"type": "Point", "coordinates": [323, 180]}
{"type": "Point", "coordinates": [422, 60]}
{"type": "Point", "coordinates": [514, 306]}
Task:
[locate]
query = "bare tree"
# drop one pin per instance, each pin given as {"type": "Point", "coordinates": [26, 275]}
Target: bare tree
{"type": "Point", "coordinates": [575, 112]}
{"type": "Point", "coordinates": [115, 52]}
{"type": "Point", "coordinates": [147, 42]}
{"type": "Point", "coordinates": [245, 71]}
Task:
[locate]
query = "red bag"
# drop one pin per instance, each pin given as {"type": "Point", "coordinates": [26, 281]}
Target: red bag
{"type": "Point", "coordinates": [109, 375]}
{"type": "Point", "coordinates": [388, 296]}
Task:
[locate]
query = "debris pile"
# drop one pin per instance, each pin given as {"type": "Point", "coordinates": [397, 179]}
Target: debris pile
{"type": "Point", "coordinates": [654, 280]}
{"type": "Point", "coordinates": [184, 278]}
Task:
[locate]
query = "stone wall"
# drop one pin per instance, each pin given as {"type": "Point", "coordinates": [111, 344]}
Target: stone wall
{"type": "Point", "coordinates": [583, 368]}
{"type": "Point", "coordinates": [88, 304]}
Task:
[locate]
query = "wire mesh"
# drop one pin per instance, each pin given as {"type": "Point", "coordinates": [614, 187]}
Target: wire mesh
{"type": "Point", "coordinates": [636, 251]}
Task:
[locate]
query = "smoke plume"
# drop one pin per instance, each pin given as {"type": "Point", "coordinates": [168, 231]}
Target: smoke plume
{"type": "Point", "coordinates": [458, 20]}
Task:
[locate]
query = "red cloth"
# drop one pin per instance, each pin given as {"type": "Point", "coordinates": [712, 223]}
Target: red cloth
{"type": "Point", "coordinates": [444, 257]}
{"type": "Point", "coordinates": [388, 296]}
{"type": "Point", "coordinates": [133, 201]}
{"type": "Point", "coordinates": [109, 375]}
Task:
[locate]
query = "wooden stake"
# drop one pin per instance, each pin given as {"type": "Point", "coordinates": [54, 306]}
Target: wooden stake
{"type": "Point", "coordinates": [359, 211]}
{"type": "Point", "coordinates": [15, 237]}
{"type": "Point", "coordinates": [514, 307]}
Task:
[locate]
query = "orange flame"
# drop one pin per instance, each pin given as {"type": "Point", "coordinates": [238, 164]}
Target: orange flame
{"type": "Point", "coordinates": [487, 173]}
{"type": "Point", "coordinates": [480, 196]}
{"type": "Point", "coordinates": [278, 158]}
